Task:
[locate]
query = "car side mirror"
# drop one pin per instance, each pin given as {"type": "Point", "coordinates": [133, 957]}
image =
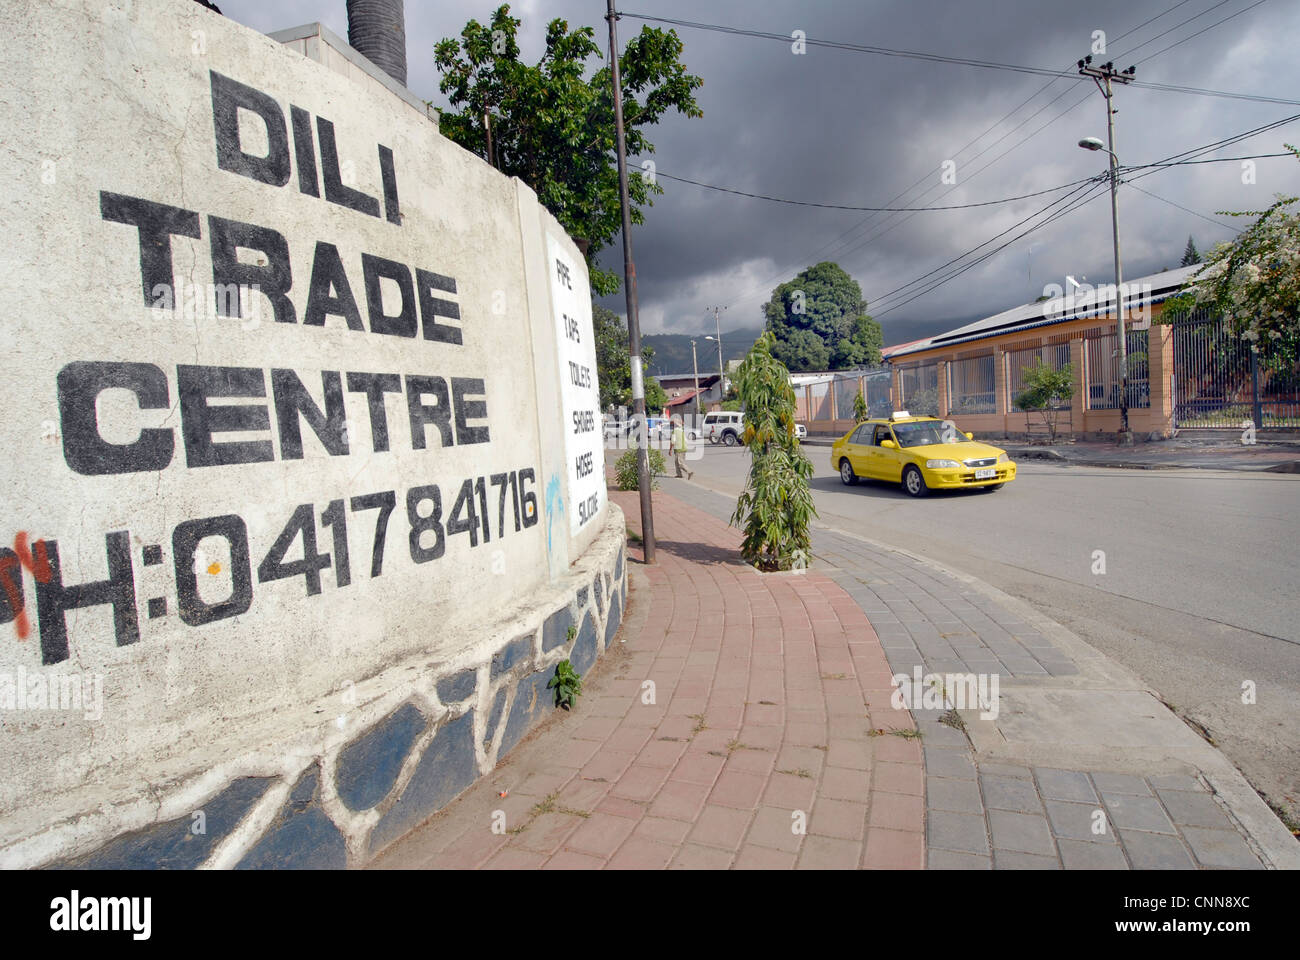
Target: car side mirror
{"type": "Point", "coordinates": [890, 444]}
{"type": "Point", "coordinates": [970, 436]}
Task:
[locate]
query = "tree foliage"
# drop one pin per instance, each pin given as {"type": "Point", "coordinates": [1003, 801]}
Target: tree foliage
{"type": "Point", "coordinates": [1253, 281]}
{"type": "Point", "coordinates": [553, 127]}
{"type": "Point", "coordinates": [860, 412]}
{"type": "Point", "coordinates": [819, 322]}
{"type": "Point", "coordinates": [614, 364]}
{"type": "Point", "coordinates": [1045, 390]}
{"type": "Point", "coordinates": [776, 507]}
{"type": "Point", "coordinates": [1191, 255]}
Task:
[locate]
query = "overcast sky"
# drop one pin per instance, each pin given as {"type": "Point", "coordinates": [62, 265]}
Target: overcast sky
{"type": "Point", "coordinates": [844, 127]}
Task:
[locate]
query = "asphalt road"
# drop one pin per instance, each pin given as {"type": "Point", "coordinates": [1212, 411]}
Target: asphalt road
{"type": "Point", "coordinates": [1200, 592]}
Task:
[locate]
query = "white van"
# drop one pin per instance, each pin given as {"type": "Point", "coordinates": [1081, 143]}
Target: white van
{"type": "Point", "coordinates": [725, 427]}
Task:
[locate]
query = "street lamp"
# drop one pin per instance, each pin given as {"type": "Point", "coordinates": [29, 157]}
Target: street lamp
{"type": "Point", "coordinates": [696, 364]}
{"type": "Point", "coordinates": [1094, 144]}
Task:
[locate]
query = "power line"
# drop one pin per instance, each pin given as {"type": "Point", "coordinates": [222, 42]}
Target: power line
{"type": "Point", "coordinates": [1066, 72]}
{"type": "Point", "coordinates": [1060, 200]}
{"type": "Point", "coordinates": [973, 61]}
{"type": "Point", "coordinates": [1098, 192]}
{"type": "Point", "coordinates": [1201, 31]}
{"type": "Point", "coordinates": [1070, 206]}
{"type": "Point", "coordinates": [1180, 163]}
{"type": "Point", "coordinates": [888, 226]}
{"type": "Point", "coordinates": [841, 206]}
{"type": "Point", "coordinates": [1147, 170]}
{"type": "Point", "coordinates": [1154, 196]}
{"type": "Point", "coordinates": [1056, 76]}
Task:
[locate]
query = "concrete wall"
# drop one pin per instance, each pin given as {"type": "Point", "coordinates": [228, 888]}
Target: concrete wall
{"type": "Point", "coordinates": [305, 553]}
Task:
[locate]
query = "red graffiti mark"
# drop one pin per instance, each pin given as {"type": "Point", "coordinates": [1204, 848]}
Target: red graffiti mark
{"type": "Point", "coordinates": [40, 569]}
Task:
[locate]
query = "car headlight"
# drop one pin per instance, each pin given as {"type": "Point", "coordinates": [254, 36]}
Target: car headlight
{"type": "Point", "coordinates": [1003, 458]}
{"type": "Point", "coordinates": [942, 464]}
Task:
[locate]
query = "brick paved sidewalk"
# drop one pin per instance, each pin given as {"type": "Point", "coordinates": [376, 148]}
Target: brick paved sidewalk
{"type": "Point", "coordinates": [1012, 815]}
{"type": "Point", "coordinates": [770, 713]}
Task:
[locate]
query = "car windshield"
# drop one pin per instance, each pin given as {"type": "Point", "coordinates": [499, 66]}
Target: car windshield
{"type": "Point", "coordinates": [924, 433]}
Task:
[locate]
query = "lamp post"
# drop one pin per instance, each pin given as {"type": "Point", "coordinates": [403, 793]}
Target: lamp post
{"type": "Point", "coordinates": [1125, 435]}
{"type": "Point", "coordinates": [1103, 76]}
{"type": "Point", "coordinates": [696, 364]}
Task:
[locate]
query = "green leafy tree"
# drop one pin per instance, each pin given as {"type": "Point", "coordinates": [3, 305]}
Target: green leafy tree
{"type": "Point", "coordinates": [820, 322]}
{"type": "Point", "coordinates": [1045, 390]}
{"type": "Point", "coordinates": [1190, 254]}
{"type": "Point", "coordinates": [776, 508]}
{"type": "Point", "coordinates": [860, 407]}
{"type": "Point", "coordinates": [1253, 281]}
{"type": "Point", "coordinates": [614, 364]}
{"type": "Point", "coordinates": [553, 127]}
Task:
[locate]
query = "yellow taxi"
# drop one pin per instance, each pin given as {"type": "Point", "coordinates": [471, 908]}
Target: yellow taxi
{"type": "Point", "coordinates": [921, 453]}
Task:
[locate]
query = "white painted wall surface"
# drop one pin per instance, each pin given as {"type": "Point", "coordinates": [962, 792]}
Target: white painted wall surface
{"type": "Point", "coordinates": [116, 97]}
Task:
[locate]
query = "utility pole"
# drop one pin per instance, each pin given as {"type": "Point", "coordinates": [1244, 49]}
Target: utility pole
{"type": "Point", "coordinates": [695, 362]}
{"type": "Point", "coordinates": [1103, 76]}
{"type": "Point", "coordinates": [722, 373]}
{"type": "Point", "coordinates": [633, 317]}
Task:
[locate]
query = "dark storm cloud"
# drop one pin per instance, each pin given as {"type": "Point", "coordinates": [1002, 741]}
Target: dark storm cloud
{"type": "Point", "coordinates": [843, 127]}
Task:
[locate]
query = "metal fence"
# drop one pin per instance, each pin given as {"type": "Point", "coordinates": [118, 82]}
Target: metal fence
{"type": "Point", "coordinates": [874, 386]}
{"type": "Point", "coordinates": [919, 387]}
{"type": "Point", "coordinates": [1101, 353]}
{"type": "Point", "coordinates": [1222, 380]}
{"type": "Point", "coordinates": [820, 394]}
{"type": "Point", "coordinates": [1054, 356]}
{"type": "Point", "coordinates": [971, 385]}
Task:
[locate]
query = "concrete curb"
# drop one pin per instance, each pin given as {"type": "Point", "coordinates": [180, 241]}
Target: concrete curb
{"type": "Point", "coordinates": [1183, 750]}
{"type": "Point", "coordinates": [1276, 847]}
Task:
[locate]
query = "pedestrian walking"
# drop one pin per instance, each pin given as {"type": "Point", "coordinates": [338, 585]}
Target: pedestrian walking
{"type": "Point", "coordinates": [679, 449]}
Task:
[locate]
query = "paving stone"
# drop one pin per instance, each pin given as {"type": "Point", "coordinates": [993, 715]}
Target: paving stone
{"type": "Point", "coordinates": [940, 734]}
{"type": "Point", "coordinates": [1021, 832]}
{"type": "Point", "coordinates": [1014, 860]}
{"type": "Point", "coordinates": [1194, 809]}
{"type": "Point", "coordinates": [949, 762]}
{"type": "Point", "coordinates": [1006, 770]}
{"type": "Point", "coordinates": [957, 831]}
{"type": "Point", "coordinates": [1075, 821]}
{"type": "Point", "coordinates": [1064, 785]}
{"type": "Point", "coordinates": [1221, 848]}
{"type": "Point", "coordinates": [1080, 855]}
{"type": "Point", "coordinates": [1121, 783]}
{"type": "Point", "coordinates": [1155, 851]}
{"type": "Point", "coordinates": [1177, 781]}
{"type": "Point", "coordinates": [952, 860]}
{"type": "Point", "coordinates": [958, 796]}
{"type": "Point", "coordinates": [1008, 793]}
{"type": "Point", "coordinates": [1137, 813]}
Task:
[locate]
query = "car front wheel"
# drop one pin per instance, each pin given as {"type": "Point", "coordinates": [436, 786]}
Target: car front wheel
{"type": "Point", "coordinates": [914, 483]}
{"type": "Point", "coordinates": [846, 473]}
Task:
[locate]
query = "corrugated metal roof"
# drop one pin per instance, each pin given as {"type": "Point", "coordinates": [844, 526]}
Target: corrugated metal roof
{"type": "Point", "coordinates": [1101, 300]}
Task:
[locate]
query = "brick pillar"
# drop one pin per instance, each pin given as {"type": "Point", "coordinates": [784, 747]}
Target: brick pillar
{"type": "Point", "coordinates": [895, 388]}
{"type": "Point", "coordinates": [942, 369]}
{"type": "Point", "coordinates": [1078, 410]}
{"type": "Point", "coordinates": [1001, 403]}
{"type": "Point", "coordinates": [1160, 360]}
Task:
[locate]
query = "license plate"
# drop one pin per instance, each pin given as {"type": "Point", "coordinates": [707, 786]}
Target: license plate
{"type": "Point", "coordinates": [988, 474]}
